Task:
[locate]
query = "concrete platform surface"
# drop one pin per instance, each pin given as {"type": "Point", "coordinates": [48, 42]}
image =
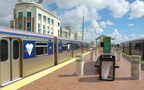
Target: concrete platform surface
{"type": "Point", "coordinates": [65, 79]}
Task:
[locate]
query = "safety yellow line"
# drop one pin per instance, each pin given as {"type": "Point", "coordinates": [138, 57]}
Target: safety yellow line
{"type": "Point", "coordinates": [27, 80]}
{"type": "Point", "coordinates": [131, 56]}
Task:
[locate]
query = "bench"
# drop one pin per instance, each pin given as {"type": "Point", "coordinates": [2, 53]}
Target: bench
{"type": "Point", "coordinates": [97, 64]}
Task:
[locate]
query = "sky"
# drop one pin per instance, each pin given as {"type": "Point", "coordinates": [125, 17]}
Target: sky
{"type": "Point", "coordinates": [120, 19]}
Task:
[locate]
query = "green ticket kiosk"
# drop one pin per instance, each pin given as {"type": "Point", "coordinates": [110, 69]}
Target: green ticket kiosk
{"type": "Point", "coordinates": [107, 44]}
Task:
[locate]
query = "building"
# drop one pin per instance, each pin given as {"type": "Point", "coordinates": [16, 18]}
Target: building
{"type": "Point", "coordinates": [68, 33]}
{"type": "Point", "coordinates": [31, 16]}
{"type": "Point", "coordinates": [65, 32]}
{"type": "Point", "coordinates": [76, 35]}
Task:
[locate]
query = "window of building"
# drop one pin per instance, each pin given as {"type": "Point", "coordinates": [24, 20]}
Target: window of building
{"type": "Point", "coordinates": [39, 31]}
{"type": "Point", "coordinates": [20, 25]}
{"type": "Point", "coordinates": [39, 25]}
{"type": "Point", "coordinates": [58, 24]}
{"type": "Point", "coordinates": [44, 18]}
{"type": "Point", "coordinates": [44, 32]}
{"type": "Point", "coordinates": [20, 14]}
{"type": "Point", "coordinates": [48, 32]}
{"type": "Point", "coordinates": [29, 29]}
{"type": "Point", "coordinates": [41, 48]}
{"type": "Point", "coordinates": [39, 16]}
{"type": "Point", "coordinates": [28, 24]}
{"type": "Point", "coordinates": [48, 27]}
{"type": "Point", "coordinates": [51, 28]}
{"type": "Point", "coordinates": [52, 21]}
{"type": "Point", "coordinates": [51, 33]}
{"type": "Point", "coordinates": [29, 14]}
{"type": "Point", "coordinates": [44, 27]}
{"type": "Point", "coordinates": [58, 31]}
{"type": "Point", "coordinates": [49, 20]}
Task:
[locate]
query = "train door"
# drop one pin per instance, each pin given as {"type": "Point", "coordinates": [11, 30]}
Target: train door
{"type": "Point", "coordinates": [10, 60]}
{"type": "Point", "coordinates": [123, 47]}
{"type": "Point", "coordinates": [143, 50]}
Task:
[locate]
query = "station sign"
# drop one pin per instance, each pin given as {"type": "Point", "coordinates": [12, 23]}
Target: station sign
{"type": "Point", "coordinates": [107, 44]}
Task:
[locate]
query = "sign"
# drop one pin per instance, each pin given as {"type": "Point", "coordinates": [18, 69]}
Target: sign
{"type": "Point", "coordinates": [107, 44]}
{"type": "Point", "coordinates": [29, 49]}
{"type": "Point", "coordinates": [107, 47]}
{"type": "Point", "coordinates": [107, 39]}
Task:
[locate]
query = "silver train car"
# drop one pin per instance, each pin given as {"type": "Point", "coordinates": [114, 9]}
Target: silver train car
{"type": "Point", "coordinates": [24, 53]}
{"type": "Point", "coordinates": [134, 47]}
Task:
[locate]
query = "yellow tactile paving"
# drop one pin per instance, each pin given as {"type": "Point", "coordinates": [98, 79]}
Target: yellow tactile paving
{"type": "Point", "coordinates": [27, 80]}
{"type": "Point", "coordinates": [130, 57]}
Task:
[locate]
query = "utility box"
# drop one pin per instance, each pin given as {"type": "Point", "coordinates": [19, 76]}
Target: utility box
{"type": "Point", "coordinates": [107, 67]}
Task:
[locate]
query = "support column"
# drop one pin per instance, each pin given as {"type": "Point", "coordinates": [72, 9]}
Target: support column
{"type": "Point", "coordinates": [136, 67]}
{"type": "Point", "coordinates": [92, 55]}
{"type": "Point", "coordinates": [79, 65]}
{"type": "Point", "coordinates": [119, 55]}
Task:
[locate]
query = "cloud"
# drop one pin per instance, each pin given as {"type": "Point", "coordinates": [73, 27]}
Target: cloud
{"type": "Point", "coordinates": [118, 7]}
{"type": "Point", "coordinates": [74, 17]}
{"type": "Point", "coordinates": [95, 27]}
{"type": "Point", "coordinates": [134, 36]}
{"type": "Point", "coordinates": [67, 4]}
{"type": "Point", "coordinates": [6, 12]}
{"type": "Point", "coordinates": [118, 37]}
{"type": "Point", "coordinates": [89, 36]}
{"type": "Point", "coordinates": [130, 24]}
{"type": "Point", "coordinates": [104, 24]}
{"type": "Point", "coordinates": [137, 9]}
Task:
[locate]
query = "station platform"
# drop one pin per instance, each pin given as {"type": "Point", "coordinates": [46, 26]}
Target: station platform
{"type": "Point", "coordinates": [62, 77]}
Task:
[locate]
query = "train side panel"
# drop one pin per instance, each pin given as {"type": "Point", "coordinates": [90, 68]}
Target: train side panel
{"type": "Point", "coordinates": [77, 49]}
{"type": "Point", "coordinates": [84, 47]}
{"type": "Point", "coordinates": [137, 49]}
{"type": "Point", "coordinates": [63, 50]}
{"type": "Point", "coordinates": [41, 56]}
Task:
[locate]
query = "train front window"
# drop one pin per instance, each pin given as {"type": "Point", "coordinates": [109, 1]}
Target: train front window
{"type": "Point", "coordinates": [15, 49]}
{"type": "Point", "coordinates": [41, 48]}
{"type": "Point", "coordinates": [4, 50]}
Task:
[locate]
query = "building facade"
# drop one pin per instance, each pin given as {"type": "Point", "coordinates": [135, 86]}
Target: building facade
{"type": "Point", "coordinates": [31, 16]}
{"type": "Point", "coordinates": [65, 33]}
{"type": "Point", "coordinates": [68, 33]}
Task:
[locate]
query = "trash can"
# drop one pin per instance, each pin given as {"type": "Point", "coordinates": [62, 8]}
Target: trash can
{"type": "Point", "coordinates": [107, 67]}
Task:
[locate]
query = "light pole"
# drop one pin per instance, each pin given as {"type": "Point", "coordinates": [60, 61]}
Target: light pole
{"type": "Point", "coordinates": [83, 26]}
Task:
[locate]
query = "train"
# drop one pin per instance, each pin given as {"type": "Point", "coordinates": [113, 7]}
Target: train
{"type": "Point", "coordinates": [24, 53]}
{"type": "Point", "coordinates": [133, 47]}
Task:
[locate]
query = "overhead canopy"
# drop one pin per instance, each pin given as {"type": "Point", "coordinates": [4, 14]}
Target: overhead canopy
{"type": "Point", "coordinates": [104, 36]}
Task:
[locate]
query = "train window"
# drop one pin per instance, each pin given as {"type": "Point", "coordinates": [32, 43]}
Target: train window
{"type": "Point", "coordinates": [15, 49]}
{"type": "Point", "coordinates": [41, 48]}
{"type": "Point", "coordinates": [137, 46]}
{"type": "Point", "coordinates": [64, 46]}
{"type": "Point", "coordinates": [4, 50]}
{"type": "Point", "coordinates": [77, 46]}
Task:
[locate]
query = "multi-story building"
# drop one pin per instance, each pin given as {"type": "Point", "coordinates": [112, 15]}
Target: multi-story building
{"type": "Point", "coordinates": [68, 33]}
{"type": "Point", "coordinates": [65, 33]}
{"type": "Point", "coordinates": [31, 16]}
{"type": "Point", "coordinates": [76, 35]}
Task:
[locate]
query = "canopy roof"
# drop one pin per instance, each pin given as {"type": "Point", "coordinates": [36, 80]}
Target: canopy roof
{"type": "Point", "coordinates": [104, 36]}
